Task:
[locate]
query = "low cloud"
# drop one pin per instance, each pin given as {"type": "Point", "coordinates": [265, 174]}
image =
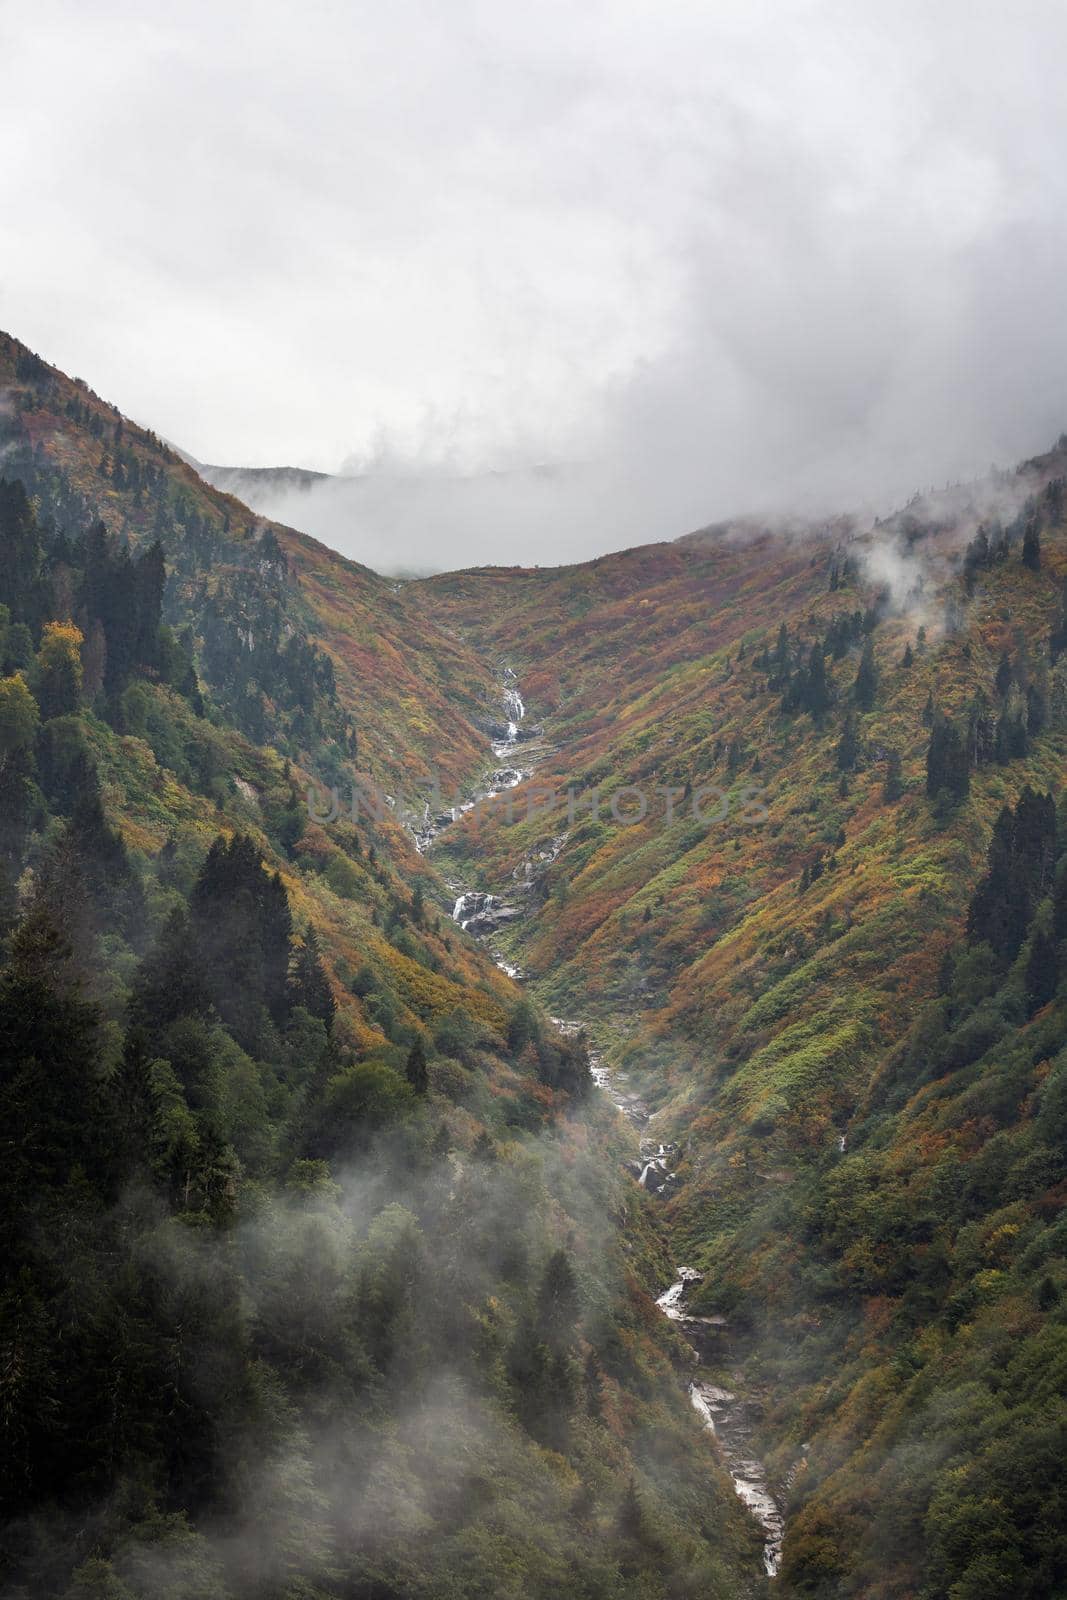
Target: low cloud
{"type": "Point", "coordinates": [699, 262]}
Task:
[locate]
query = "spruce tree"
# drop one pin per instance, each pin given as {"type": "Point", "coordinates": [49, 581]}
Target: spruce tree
{"type": "Point", "coordinates": [866, 686]}
{"type": "Point", "coordinates": [1041, 971]}
{"type": "Point", "coordinates": [1004, 675]}
{"type": "Point", "coordinates": [847, 745]}
{"type": "Point", "coordinates": [310, 986]}
{"type": "Point", "coordinates": [558, 1303]}
{"type": "Point", "coordinates": [415, 1069]}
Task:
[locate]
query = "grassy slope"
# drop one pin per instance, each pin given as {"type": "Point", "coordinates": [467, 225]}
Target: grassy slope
{"type": "Point", "coordinates": [765, 1018]}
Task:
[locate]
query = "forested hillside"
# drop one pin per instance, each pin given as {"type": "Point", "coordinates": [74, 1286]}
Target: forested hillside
{"type": "Point", "coordinates": [323, 1275]}
{"type": "Point", "coordinates": [328, 1275]}
{"type": "Point", "coordinates": [302, 649]}
{"type": "Point", "coordinates": [842, 986]}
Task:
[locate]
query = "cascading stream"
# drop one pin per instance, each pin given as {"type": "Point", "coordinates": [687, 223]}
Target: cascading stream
{"type": "Point", "coordinates": [725, 1414]}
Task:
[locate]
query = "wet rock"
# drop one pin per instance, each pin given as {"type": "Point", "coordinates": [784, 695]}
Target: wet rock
{"type": "Point", "coordinates": [482, 913]}
{"type": "Point", "coordinates": [492, 918]}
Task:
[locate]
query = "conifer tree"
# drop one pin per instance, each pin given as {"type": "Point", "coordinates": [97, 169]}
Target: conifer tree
{"type": "Point", "coordinates": [818, 694]}
{"type": "Point", "coordinates": [310, 986]}
{"type": "Point", "coordinates": [416, 1069]}
{"type": "Point", "coordinates": [866, 686]}
{"type": "Point", "coordinates": [1041, 971]}
{"type": "Point", "coordinates": [557, 1303]}
{"type": "Point", "coordinates": [1018, 875]}
{"type": "Point", "coordinates": [1004, 675]}
{"type": "Point", "coordinates": [848, 745]}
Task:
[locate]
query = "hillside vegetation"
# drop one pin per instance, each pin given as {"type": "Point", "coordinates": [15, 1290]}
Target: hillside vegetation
{"type": "Point", "coordinates": [323, 1276]}
{"type": "Point", "coordinates": [328, 1275]}
{"type": "Point", "coordinates": [859, 1047]}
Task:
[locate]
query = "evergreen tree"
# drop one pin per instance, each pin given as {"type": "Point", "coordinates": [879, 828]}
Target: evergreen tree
{"type": "Point", "coordinates": [1005, 677]}
{"type": "Point", "coordinates": [1032, 546]}
{"type": "Point", "coordinates": [50, 1084]}
{"type": "Point", "coordinates": [817, 692]}
{"type": "Point", "coordinates": [23, 588]}
{"type": "Point", "coordinates": [947, 762]}
{"type": "Point", "coordinates": [893, 787]}
{"type": "Point", "coordinates": [1018, 875]}
{"type": "Point", "coordinates": [416, 1068]}
{"type": "Point", "coordinates": [310, 986]}
{"type": "Point", "coordinates": [780, 661]}
{"type": "Point", "coordinates": [171, 982]}
{"type": "Point", "coordinates": [1042, 971]}
{"type": "Point", "coordinates": [1036, 710]}
{"type": "Point", "coordinates": [557, 1303]}
{"type": "Point", "coordinates": [1048, 1295]}
{"type": "Point", "coordinates": [848, 745]}
{"type": "Point", "coordinates": [1012, 741]}
{"type": "Point", "coordinates": [522, 1027]}
{"type": "Point", "coordinates": [241, 920]}
{"type": "Point", "coordinates": [866, 686]}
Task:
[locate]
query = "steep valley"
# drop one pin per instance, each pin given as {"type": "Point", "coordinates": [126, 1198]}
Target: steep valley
{"type": "Point", "coordinates": [625, 1157]}
{"type": "Point", "coordinates": [860, 1094]}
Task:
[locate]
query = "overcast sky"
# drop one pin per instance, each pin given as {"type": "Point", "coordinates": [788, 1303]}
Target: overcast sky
{"type": "Point", "coordinates": [710, 258]}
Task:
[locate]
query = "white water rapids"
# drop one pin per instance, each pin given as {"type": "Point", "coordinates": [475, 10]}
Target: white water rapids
{"type": "Point", "coordinates": [499, 781]}
{"type": "Point", "coordinates": [726, 1415]}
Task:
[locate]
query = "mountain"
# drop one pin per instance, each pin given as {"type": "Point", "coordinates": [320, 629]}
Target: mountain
{"type": "Point", "coordinates": [772, 814]}
{"type": "Point", "coordinates": [248, 483]}
{"type": "Point", "coordinates": [272, 605]}
{"type": "Point", "coordinates": [410, 518]}
{"type": "Point", "coordinates": [323, 1272]}
{"type": "Point", "coordinates": [840, 985]}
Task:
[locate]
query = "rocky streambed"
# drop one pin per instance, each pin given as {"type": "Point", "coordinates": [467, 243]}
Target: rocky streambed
{"type": "Point", "coordinates": [475, 910]}
{"type": "Point", "coordinates": [505, 735]}
{"type": "Point", "coordinates": [729, 1416]}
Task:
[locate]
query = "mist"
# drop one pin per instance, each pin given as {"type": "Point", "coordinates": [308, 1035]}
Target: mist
{"type": "Point", "coordinates": [542, 285]}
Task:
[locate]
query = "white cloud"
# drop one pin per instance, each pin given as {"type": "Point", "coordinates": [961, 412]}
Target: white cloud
{"type": "Point", "coordinates": [724, 256]}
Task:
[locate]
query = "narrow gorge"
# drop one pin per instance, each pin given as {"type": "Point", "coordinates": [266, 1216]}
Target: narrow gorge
{"type": "Point", "coordinates": [728, 1414]}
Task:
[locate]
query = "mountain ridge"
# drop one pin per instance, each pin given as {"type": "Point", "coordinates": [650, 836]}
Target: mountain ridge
{"type": "Point", "coordinates": [324, 1275]}
{"type": "Point", "coordinates": [845, 1014]}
